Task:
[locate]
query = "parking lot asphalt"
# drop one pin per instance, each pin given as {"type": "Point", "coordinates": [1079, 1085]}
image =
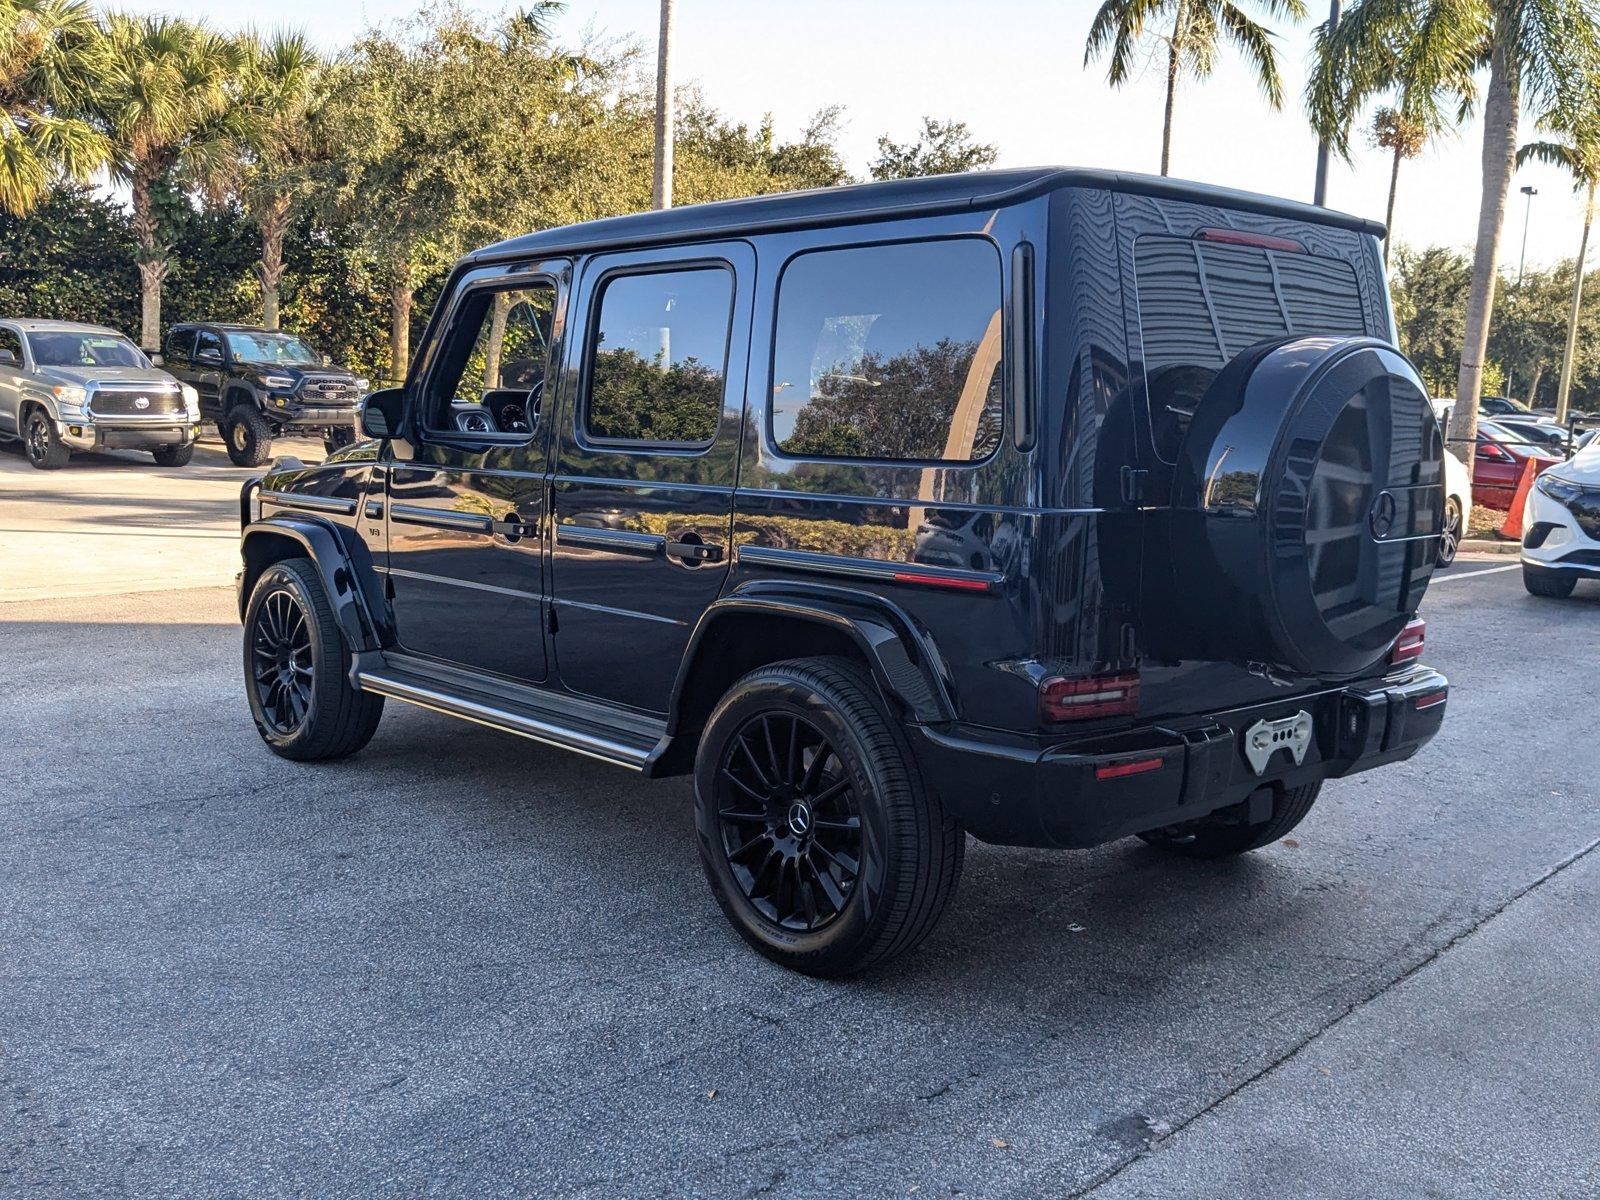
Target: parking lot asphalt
{"type": "Point", "coordinates": [462, 964]}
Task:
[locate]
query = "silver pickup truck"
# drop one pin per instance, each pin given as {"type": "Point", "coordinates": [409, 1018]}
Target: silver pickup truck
{"type": "Point", "coordinates": [66, 387]}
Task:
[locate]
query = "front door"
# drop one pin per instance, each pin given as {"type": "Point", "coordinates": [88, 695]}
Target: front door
{"type": "Point", "coordinates": [466, 489]}
{"type": "Point", "coordinates": [205, 369]}
{"type": "Point", "coordinates": [649, 445]}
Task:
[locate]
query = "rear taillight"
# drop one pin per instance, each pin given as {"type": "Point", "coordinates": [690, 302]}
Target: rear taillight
{"type": "Point", "coordinates": [1408, 646]}
{"type": "Point", "coordinates": [1095, 696]}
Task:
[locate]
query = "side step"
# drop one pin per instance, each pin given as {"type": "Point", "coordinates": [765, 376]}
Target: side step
{"type": "Point", "coordinates": [625, 739]}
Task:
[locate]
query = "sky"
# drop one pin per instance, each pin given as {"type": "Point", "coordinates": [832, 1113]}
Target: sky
{"type": "Point", "coordinates": [1013, 71]}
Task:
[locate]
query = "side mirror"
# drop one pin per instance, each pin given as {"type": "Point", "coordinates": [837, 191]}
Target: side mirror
{"type": "Point", "coordinates": [156, 359]}
{"type": "Point", "coordinates": [209, 355]}
{"type": "Point", "coordinates": [382, 412]}
{"type": "Point", "coordinates": [7, 356]}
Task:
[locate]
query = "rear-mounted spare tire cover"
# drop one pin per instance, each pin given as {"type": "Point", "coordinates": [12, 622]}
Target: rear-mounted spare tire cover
{"type": "Point", "coordinates": [1307, 506]}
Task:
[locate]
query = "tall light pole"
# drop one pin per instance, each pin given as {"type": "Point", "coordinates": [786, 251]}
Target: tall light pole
{"type": "Point", "coordinates": [661, 195]}
{"type": "Point", "coordinates": [1320, 193]}
{"type": "Point", "coordinates": [1530, 193]}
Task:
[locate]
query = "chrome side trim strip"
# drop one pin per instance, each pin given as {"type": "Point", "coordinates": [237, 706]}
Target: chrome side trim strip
{"type": "Point", "coordinates": [310, 503]}
{"type": "Point", "coordinates": [532, 728]}
{"type": "Point", "coordinates": [440, 518]}
{"type": "Point", "coordinates": [623, 541]}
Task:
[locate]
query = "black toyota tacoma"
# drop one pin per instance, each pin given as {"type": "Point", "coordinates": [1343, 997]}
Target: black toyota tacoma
{"type": "Point", "coordinates": [1049, 506]}
{"type": "Point", "coordinates": [258, 384]}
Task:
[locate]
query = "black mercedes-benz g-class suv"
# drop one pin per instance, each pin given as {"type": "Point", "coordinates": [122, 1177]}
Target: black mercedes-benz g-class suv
{"type": "Point", "coordinates": [1050, 506]}
{"type": "Point", "coordinates": [258, 384]}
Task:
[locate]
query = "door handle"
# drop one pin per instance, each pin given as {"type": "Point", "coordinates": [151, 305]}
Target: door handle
{"type": "Point", "coordinates": [692, 549]}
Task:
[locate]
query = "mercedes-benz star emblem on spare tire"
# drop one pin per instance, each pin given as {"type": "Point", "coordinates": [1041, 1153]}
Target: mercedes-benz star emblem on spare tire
{"type": "Point", "coordinates": [1382, 519]}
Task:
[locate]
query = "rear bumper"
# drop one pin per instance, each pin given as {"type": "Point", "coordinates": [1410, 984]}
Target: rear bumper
{"type": "Point", "coordinates": [1073, 794]}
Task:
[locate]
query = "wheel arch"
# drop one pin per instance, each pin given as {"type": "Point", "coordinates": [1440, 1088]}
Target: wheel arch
{"type": "Point", "coordinates": [763, 624]}
{"type": "Point", "coordinates": [236, 392]}
{"type": "Point", "coordinates": [346, 576]}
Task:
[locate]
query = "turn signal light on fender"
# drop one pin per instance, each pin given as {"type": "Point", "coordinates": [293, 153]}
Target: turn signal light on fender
{"type": "Point", "coordinates": [1408, 646]}
{"type": "Point", "coordinates": [1082, 699]}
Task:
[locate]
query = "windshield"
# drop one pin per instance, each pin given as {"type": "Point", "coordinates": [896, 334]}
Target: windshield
{"type": "Point", "coordinates": [67, 349]}
{"type": "Point", "coordinates": [270, 348]}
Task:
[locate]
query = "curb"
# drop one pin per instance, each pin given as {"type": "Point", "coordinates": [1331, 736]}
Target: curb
{"type": "Point", "coordinates": [1488, 546]}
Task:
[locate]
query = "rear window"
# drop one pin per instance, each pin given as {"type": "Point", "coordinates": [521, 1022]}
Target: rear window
{"type": "Point", "coordinates": [1201, 303]}
{"type": "Point", "coordinates": [890, 352]}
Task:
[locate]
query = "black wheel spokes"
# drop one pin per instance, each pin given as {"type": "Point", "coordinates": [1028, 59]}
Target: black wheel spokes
{"type": "Point", "coordinates": [280, 665]}
{"type": "Point", "coordinates": [789, 821]}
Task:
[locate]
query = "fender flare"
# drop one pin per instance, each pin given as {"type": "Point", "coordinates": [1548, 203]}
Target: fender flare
{"type": "Point", "coordinates": [232, 386]}
{"type": "Point", "coordinates": [901, 654]}
{"type": "Point", "coordinates": [342, 563]}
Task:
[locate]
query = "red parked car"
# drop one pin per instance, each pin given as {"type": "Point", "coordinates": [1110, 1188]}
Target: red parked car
{"type": "Point", "coordinates": [1500, 459]}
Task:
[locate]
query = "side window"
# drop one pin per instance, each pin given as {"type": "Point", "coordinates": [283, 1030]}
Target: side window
{"type": "Point", "coordinates": [205, 340]}
{"type": "Point", "coordinates": [658, 357]}
{"type": "Point", "coordinates": [180, 343]}
{"type": "Point", "coordinates": [489, 375]}
{"type": "Point", "coordinates": [10, 341]}
{"type": "Point", "coordinates": [890, 352]}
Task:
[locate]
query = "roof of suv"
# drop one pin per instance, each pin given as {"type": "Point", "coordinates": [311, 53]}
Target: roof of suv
{"type": "Point", "coordinates": [39, 325]}
{"type": "Point", "coordinates": [225, 326]}
{"type": "Point", "coordinates": [893, 198]}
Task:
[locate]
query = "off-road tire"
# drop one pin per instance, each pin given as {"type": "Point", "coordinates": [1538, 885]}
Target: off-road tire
{"type": "Point", "coordinates": [339, 719]}
{"type": "Point", "coordinates": [1213, 837]}
{"type": "Point", "coordinates": [173, 456]}
{"type": "Point", "coordinates": [248, 436]}
{"type": "Point", "coordinates": [338, 439]}
{"type": "Point", "coordinates": [911, 848]}
{"type": "Point", "coordinates": [1548, 582]}
{"type": "Point", "coordinates": [41, 443]}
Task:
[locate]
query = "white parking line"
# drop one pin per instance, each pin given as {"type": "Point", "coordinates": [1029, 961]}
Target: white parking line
{"type": "Point", "coordinates": [1472, 574]}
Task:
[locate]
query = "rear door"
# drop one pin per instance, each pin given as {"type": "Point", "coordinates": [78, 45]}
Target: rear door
{"type": "Point", "coordinates": [649, 446]}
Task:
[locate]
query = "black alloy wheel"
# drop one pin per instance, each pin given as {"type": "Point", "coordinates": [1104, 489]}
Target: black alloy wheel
{"type": "Point", "coordinates": [789, 820]}
{"type": "Point", "coordinates": [281, 667]}
{"type": "Point", "coordinates": [822, 843]}
{"type": "Point", "coordinates": [45, 449]}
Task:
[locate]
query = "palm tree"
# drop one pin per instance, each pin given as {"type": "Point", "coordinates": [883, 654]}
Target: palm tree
{"type": "Point", "coordinates": [163, 102]}
{"type": "Point", "coordinates": [47, 56]}
{"type": "Point", "coordinates": [279, 144]}
{"type": "Point", "coordinates": [1578, 153]}
{"type": "Point", "coordinates": [1196, 26]}
{"type": "Point", "coordinates": [1541, 51]}
{"type": "Point", "coordinates": [1429, 78]}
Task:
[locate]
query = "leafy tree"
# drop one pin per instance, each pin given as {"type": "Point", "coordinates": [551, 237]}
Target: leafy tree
{"type": "Point", "coordinates": [1529, 330]}
{"type": "Point", "coordinates": [1542, 51]}
{"type": "Point", "coordinates": [279, 146]}
{"type": "Point", "coordinates": [1576, 150]}
{"type": "Point", "coordinates": [1430, 84]}
{"type": "Point", "coordinates": [1429, 289]}
{"type": "Point", "coordinates": [162, 102]}
{"type": "Point", "coordinates": [942, 148]}
{"type": "Point", "coordinates": [1197, 28]}
{"type": "Point", "coordinates": [454, 137]}
{"type": "Point", "coordinates": [48, 54]}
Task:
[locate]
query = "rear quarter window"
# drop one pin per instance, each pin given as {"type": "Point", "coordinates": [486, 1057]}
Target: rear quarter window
{"type": "Point", "coordinates": [890, 353]}
{"type": "Point", "coordinates": [1202, 303]}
